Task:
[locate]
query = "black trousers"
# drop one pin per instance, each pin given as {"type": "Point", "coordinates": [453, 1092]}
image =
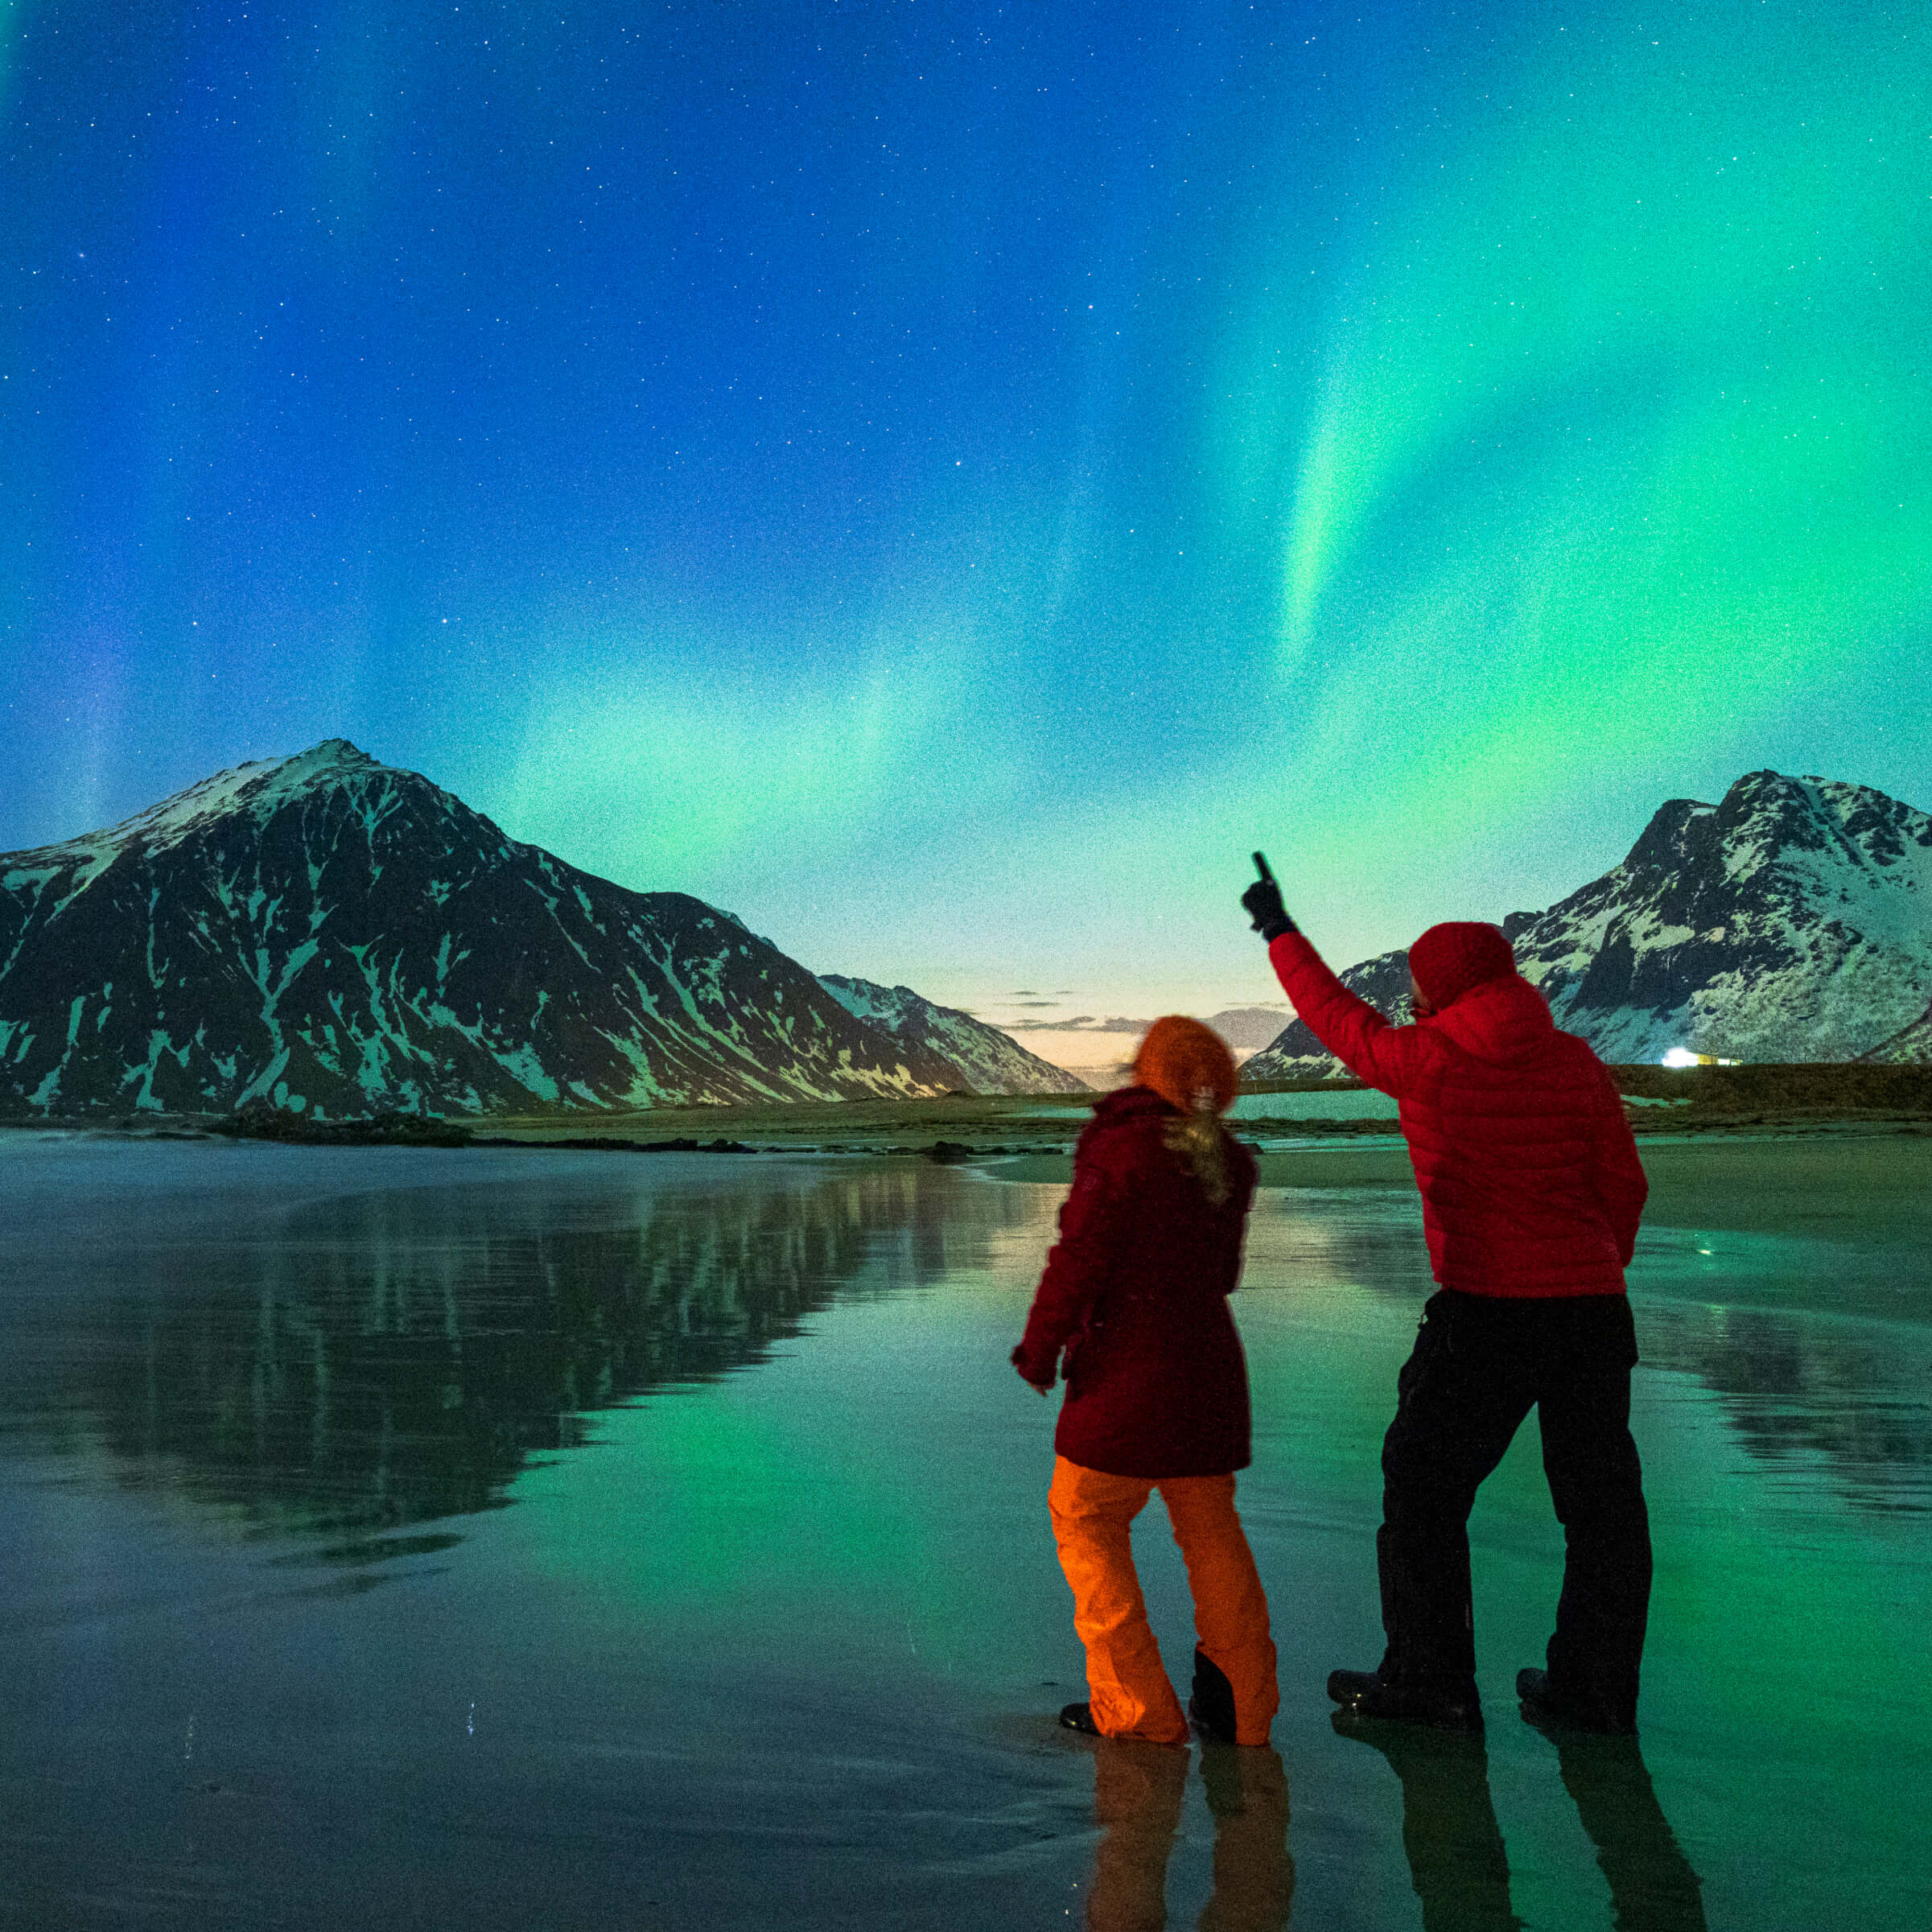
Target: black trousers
{"type": "Point", "coordinates": [1480, 1364]}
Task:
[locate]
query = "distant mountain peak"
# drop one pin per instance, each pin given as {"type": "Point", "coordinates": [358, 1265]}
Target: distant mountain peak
{"type": "Point", "coordinates": [337, 935]}
{"type": "Point", "coordinates": [260, 786]}
{"type": "Point", "coordinates": [330, 758]}
{"type": "Point", "coordinates": [1791, 920]}
{"type": "Point", "coordinates": [974, 1055]}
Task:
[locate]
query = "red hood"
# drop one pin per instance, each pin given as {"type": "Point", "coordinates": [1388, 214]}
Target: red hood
{"type": "Point", "coordinates": [1500, 1021]}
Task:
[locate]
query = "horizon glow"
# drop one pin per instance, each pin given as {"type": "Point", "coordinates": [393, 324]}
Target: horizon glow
{"type": "Point", "coordinates": [945, 482]}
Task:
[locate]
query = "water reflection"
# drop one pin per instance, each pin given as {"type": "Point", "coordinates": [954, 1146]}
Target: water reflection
{"type": "Point", "coordinates": [1449, 1835]}
{"type": "Point", "coordinates": [1138, 1790]}
{"type": "Point", "coordinates": [1652, 1886]}
{"type": "Point", "coordinates": [1803, 1372]}
{"type": "Point", "coordinates": [1370, 1238]}
{"type": "Point", "coordinates": [1457, 1862]}
{"type": "Point", "coordinates": [1847, 1398]}
{"type": "Point", "coordinates": [385, 1360]}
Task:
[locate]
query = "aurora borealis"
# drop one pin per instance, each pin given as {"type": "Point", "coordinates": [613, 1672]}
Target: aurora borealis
{"type": "Point", "coordinates": [945, 481]}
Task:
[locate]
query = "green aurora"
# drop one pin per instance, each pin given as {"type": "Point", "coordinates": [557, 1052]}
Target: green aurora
{"type": "Point", "coordinates": [944, 482]}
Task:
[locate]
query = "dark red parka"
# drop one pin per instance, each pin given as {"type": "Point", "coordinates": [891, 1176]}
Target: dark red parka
{"type": "Point", "coordinates": [1135, 1291]}
{"type": "Point", "coordinates": [1530, 1183]}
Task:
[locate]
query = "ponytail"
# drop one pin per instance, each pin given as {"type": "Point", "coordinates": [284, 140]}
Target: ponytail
{"type": "Point", "coordinates": [1201, 1141]}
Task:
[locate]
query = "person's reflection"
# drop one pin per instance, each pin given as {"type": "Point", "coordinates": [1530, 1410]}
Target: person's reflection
{"type": "Point", "coordinates": [1137, 1791]}
{"type": "Point", "coordinates": [1456, 1861]}
{"type": "Point", "coordinates": [1253, 1874]}
{"type": "Point", "coordinates": [1652, 1886]}
{"type": "Point", "coordinates": [1137, 1796]}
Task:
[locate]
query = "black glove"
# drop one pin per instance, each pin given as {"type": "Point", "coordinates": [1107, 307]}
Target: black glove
{"type": "Point", "coordinates": [1028, 1374]}
{"type": "Point", "coordinates": [1262, 903]}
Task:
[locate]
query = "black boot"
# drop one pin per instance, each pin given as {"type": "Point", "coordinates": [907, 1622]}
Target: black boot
{"type": "Point", "coordinates": [1079, 1717]}
{"type": "Point", "coordinates": [1447, 1708]}
{"type": "Point", "coordinates": [1545, 1702]}
{"type": "Point", "coordinates": [1212, 1705]}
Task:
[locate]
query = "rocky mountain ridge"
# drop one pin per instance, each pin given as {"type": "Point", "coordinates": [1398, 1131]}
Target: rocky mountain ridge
{"type": "Point", "coordinates": [988, 1061]}
{"type": "Point", "coordinates": [1791, 921]}
{"type": "Point", "coordinates": [339, 936]}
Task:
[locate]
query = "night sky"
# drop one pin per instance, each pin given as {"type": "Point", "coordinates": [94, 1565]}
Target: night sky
{"type": "Point", "coordinates": [945, 481]}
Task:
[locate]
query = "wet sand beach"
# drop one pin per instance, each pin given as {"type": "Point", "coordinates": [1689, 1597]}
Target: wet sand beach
{"type": "Point", "coordinates": [414, 1537]}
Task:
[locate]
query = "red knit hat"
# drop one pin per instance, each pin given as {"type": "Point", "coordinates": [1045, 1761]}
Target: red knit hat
{"type": "Point", "coordinates": [1450, 958]}
{"type": "Point", "coordinates": [1183, 1061]}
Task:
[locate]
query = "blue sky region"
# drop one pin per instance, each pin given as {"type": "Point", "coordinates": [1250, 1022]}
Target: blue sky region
{"type": "Point", "coordinates": [946, 481]}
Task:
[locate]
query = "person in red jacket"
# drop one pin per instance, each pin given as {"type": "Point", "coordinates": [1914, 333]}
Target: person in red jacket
{"type": "Point", "coordinates": [1531, 1191]}
{"type": "Point", "coordinates": [1135, 1296]}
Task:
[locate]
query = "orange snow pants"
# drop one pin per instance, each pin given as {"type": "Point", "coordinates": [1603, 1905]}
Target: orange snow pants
{"type": "Point", "coordinates": [1131, 1695]}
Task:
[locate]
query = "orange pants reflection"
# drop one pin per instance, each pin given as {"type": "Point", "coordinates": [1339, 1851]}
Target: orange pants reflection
{"type": "Point", "coordinates": [1137, 1798]}
{"type": "Point", "coordinates": [1093, 1513]}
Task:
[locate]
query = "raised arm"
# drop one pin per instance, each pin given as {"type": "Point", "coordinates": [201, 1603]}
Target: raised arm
{"type": "Point", "coordinates": [1386, 1056]}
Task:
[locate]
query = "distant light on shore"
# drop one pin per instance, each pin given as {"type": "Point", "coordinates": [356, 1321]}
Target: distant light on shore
{"type": "Point", "coordinates": [1680, 1056]}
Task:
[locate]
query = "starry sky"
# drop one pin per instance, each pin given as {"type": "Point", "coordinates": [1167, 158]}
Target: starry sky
{"type": "Point", "coordinates": [946, 480]}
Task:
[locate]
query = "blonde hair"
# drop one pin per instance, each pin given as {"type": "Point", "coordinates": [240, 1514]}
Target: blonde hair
{"type": "Point", "coordinates": [1202, 1142]}
{"type": "Point", "coordinates": [1189, 1066]}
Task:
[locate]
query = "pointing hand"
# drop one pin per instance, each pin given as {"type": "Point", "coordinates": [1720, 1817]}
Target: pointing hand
{"type": "Point", "coordinates": [1262, 902]}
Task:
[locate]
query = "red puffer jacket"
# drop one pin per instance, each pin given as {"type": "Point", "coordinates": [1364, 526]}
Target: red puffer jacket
{"type": "Point", "coordinates": [1135, 1290]}
{"type": "Point", "coordinates": [1530, 1183]}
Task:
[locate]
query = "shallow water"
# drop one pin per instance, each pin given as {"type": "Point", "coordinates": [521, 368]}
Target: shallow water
{"type": "Point", "coordinates": [1350, 1103]}
{"type": "Point", "coordinates": [1363, 1103]}
{"type": "Point", "coordinates": [418, 1537]}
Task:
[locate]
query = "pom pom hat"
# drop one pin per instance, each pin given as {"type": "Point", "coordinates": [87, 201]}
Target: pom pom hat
{"type": "Point", "coordinates": [1187, 1063]}
{"type": "Point", "coordinates": [1450, 958]}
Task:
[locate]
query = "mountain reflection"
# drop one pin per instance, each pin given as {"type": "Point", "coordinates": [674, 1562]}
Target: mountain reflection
{"type": "Point", "coordinates": [1850, 1402]}
{"type": "Point", "coordinates": [1846, 1396]}
{"type": "Point", "coordinates": [393, 1359]}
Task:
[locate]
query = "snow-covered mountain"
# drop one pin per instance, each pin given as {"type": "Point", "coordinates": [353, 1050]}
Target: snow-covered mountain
{"type": "Point", "coordinates": [988, 1061]}
{"type": "Point", "coordinates": [340, 936]}
{"type": "Point", "coordinates": [1909, 1046]}
{"type": "Point", "coordinates": [1792, 921]}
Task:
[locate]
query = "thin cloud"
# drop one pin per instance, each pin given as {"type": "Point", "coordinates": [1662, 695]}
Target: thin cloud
{"type": "Point", "coordinates": [1081, 1023]}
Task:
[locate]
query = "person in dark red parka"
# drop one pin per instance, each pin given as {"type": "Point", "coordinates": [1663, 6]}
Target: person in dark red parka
{"type": "Point", "coordinates": [1134, 1295]}
{"type": "Point", "coordinates": [1531, 1191]}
